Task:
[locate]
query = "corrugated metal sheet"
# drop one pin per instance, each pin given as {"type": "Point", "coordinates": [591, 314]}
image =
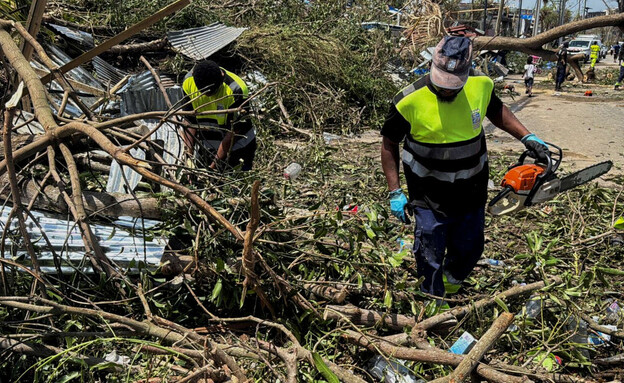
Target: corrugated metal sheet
{"type": "Point", "coordinates": [81, 37]}
{"type": "Point", "coordinates": [78, 74]}
{"type": "Point", "coordinates": [141, 94]}
{"type": "Point", "coordinates": [200, 43]}
{"type": "Point", "coordinates": [167, 135]}
{"type": "Point", "coordinates": [33, 127]}
{"type": "Point", "coordinates": [107, 73]}
{"type": "Point", "coordinates": [123, 242]}
{"type": "Point", "coordinates": [145, 81]}
{"type": "Point", "coordinates": [122, 179]}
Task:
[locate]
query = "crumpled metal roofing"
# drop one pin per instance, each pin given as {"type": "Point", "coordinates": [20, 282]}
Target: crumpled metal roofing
{"type": "Point", "coordinates": [200, 43]}
{"type": "Point", "coordinates": [79, 36]}
{"type": "Point", "coordinates": [122, 179]}
{"type": "Point", "coordinates": [122, 241]}
{"type": "Point", "coordinates": [141, 94]}
{"type": "Point", "coordinates": [107, 73]}
{"type": "Point", "coordinates": [78, 74]}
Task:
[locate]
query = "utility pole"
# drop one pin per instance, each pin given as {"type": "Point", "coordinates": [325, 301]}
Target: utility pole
{"type": "Point", "coordinates": [499, 18]}
{"type": "Point", "coordinates": [578, 15]}
{"type": "Point", "coordinates": [537, 17]}
{"type": "Point", "coordinates": [485, 17]}
{"type": "Point", "coordinates": [472, 11]}
{"type": "Point", "coordinates": [519, 18]}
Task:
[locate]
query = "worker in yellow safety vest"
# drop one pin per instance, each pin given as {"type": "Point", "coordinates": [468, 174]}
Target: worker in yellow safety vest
{"type": "Point", "coordinates": [221, 138]}
{"type": "Point", "coordinates": [595, 51]}
{"type": "Point", "coordinates": [440, 120]}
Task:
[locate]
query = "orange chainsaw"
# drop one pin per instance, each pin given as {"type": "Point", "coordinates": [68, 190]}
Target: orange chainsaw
{"type": "Point", "coordinates": [527, 184]}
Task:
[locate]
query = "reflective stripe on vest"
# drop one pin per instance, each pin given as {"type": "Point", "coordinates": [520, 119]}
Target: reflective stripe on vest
{"type": "Point", "coordinates": [421, 171]}
{"type": "Point", "coordinates": [437, 122]}
{"type": "Point", "coordinates": [445, 152]}
{"type": "Point", "coordinates": [446, 140]}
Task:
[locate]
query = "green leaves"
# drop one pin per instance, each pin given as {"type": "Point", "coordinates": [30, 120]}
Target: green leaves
{"type": "Point", "coordinates": [323, 369]}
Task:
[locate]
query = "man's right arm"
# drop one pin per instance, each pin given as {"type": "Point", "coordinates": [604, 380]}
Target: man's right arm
{"type": "Point", "coordinates": [390, 163]}
{"type": "Point", "coordinates": [394, 130]}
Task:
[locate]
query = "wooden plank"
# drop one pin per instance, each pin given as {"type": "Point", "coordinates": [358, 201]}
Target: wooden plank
{"type": "Point", "coordinates": [33, 25]}
{"type": "Point", "coordinates": [133, 30]}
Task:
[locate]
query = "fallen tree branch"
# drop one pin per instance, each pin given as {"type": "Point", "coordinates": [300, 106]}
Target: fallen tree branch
{"type": "Point", "coordinates": [433, 356]}
{"type": "Point", "coordinates": [470, 361]}
{"type": "Point", "coordinates": [45, 306]}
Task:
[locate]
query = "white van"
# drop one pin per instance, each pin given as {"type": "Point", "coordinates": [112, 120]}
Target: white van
{"type": "Point", "coordinates": [582, 44]}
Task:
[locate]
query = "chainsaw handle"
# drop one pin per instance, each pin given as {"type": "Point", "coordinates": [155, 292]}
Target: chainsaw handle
{"type": "Point", "coordinates": [553, 163]}
{"type": "Point", "coordinates": [501, 195]}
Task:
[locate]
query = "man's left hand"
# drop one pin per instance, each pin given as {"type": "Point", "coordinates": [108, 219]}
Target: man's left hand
{"type": "Point", "coordinates": [536, 147]}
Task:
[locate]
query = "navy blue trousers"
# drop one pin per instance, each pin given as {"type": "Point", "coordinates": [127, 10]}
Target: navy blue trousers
{"type": "Point", "coordinates": [446, 245]}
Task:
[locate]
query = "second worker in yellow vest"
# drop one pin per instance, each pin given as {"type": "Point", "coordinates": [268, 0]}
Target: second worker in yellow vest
{"type": "Point", "coordinates": [440, 120]}
{"type": "Point", "coordinates": [220, 137]}
{"type": "Point", "coordinates": [595, 51]}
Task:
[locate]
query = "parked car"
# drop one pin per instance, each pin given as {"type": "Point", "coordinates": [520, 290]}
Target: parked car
{"type": "Point", "coordinates": [584, 46]}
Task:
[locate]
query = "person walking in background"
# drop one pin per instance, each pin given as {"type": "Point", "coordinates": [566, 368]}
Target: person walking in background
{"type": "Point", "coordinates": [621, 76]}
{"type": "Point", "coordinates": [562, 63]}
{"type": "Point", "coordinates": [616, 51]}
{"type": "Point", "coordinates": [528, 76]}
{"type": "Point", "coordinates": [594, 52]}
{"type": "Point", "coordinates": [440, 120]}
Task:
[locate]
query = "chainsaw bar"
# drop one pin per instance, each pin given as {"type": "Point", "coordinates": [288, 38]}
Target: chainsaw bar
{"type": "Point", "coordinates": [585, 175]}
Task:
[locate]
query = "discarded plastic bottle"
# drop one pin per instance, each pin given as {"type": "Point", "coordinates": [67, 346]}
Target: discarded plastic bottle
{"type": "Point", "coordinates": [491, 262]}
{"type": "Point", "coordinates": [403, 244]}
{"type": "Point", "coordinates": [613, 311]}
{"type": "Point", "coordinates": [391, 371]}
{"type": "Point", "coordinates": [464, 344]}
{"type": "Point", "coordinates": [292, 171]}
{"type": "Point", "coordinates": [329, 137]}
{"type": "Point", "coordinates": [580, 334]}
{"type": "Point", "coordinates": [533, 307]}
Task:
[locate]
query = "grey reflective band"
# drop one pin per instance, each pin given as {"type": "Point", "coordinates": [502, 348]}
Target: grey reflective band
{"type": "Point", "coordinates": [419, 170]}
{"type": "Point", "coordinates": [410, 89]}
{"type": "Point", "coordinates": [437, 152]}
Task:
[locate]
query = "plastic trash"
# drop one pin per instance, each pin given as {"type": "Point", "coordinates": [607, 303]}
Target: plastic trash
{"type": "Point", "coordinates": [117, 359]}
{"type": "Point", "coordinates": [329, 137]}
{"type": "Point", "coordinates": [613, 311]}
{"type": "Point", "coordinates": [533, 307]}
{"type": "Point", "coordinates": [491, 186]}
{"type": "Point", "coordinates": [600, 338]}
{"type": "Point", "coordinates": [403, 244]}
{"type": "Point", "coordinates": [491, 262]}
{"type": "Point", "coordinates": [292, 171]}
{"type": "Point", "coordinates": [391, 371]}
{"type": "Point", "coordinates": [580, 334]}
{"type": "Point", "coordinates": [463, 345]}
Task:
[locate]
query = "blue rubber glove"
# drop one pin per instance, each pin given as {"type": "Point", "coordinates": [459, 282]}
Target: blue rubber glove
{"type": "Point", "coordinates": [398, 201]}
{"type": "Point", "coordinates": [536, 147]}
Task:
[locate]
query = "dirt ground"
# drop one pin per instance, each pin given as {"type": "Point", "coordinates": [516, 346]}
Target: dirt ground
{"type": "Point", "coordinates": [588, 129]}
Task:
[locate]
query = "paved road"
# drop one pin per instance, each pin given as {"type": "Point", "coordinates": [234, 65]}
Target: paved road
{"type": "Point", "coordinates": [589, 129]}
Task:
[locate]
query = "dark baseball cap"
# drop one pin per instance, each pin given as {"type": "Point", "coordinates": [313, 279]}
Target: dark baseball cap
{"type": "Point", "coordinates": [452, 60]}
